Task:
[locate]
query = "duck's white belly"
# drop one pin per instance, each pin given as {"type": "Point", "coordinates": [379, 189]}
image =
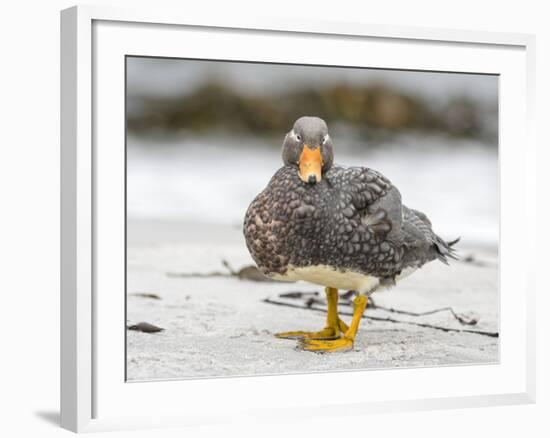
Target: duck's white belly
{"type": "Point", "coordinates": [329, 277]}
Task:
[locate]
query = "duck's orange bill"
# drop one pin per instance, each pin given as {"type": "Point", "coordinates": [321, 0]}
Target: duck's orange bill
{"type": "Point", "coordinates": [310, 163]}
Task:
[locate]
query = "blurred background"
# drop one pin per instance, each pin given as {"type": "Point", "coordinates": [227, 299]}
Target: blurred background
{"type": "Point", "coordinates": [204, 137]}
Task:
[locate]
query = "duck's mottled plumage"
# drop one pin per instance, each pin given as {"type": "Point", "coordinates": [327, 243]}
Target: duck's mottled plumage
{"type": "Point", "coordinates": [352, 220]}
{"type": "Point", "coordinates": [344, 228]}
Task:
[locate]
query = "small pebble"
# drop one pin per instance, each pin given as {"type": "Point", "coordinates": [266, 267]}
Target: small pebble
{"type": "Point", "coordinates": [145, 327]}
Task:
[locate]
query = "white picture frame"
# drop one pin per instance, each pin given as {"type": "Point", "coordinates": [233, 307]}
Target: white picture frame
{"type": "Point", "coordinates": [94, 394]}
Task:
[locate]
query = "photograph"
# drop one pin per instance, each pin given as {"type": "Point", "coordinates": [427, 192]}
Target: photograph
{"type": "Point", "coordinates": [275, 219]}
{"type": "Point", "coordinates": [289, 218]}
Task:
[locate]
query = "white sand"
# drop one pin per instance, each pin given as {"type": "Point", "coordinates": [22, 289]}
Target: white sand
{"type": "Point", "coordinates": [220, 326]}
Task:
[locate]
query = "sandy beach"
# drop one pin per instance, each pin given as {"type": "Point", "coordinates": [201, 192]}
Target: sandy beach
{"type": "Point", "coordinates": [220, 325]}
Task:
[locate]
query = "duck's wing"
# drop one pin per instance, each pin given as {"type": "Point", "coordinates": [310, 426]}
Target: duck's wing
{"type": "Point", "coordinates": [379, 203]}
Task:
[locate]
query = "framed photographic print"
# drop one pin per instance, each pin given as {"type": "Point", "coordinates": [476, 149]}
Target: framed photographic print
{"type": "Point", "coordinates": [260, 213]}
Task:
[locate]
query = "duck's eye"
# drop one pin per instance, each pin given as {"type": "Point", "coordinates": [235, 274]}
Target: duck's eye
{"type": "Point", "coordinates": [325, 138]}
{"type": "Point", "coordinates": [298, 137]}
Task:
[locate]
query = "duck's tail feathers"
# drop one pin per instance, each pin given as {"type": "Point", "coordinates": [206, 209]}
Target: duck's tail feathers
{"type": "Point", "coordinates": [445, 250]}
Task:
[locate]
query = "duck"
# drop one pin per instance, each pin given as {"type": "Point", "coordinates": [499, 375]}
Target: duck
{"type": "Point", "coordinates": [341, 227]}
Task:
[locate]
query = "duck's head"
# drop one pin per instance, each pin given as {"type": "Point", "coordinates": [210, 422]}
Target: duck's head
{"type": "Point", "coordinates": [308, 147]}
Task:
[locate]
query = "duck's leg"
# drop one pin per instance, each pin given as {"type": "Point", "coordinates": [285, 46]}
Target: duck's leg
{"type": "Point", "coordinates": [333, 326]}
{"type": "Point", "coordinates": [345, 342]}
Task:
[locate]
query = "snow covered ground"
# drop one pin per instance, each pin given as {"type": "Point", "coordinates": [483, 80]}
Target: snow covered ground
{"type": "Point", "coordinates": [221, 325]}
